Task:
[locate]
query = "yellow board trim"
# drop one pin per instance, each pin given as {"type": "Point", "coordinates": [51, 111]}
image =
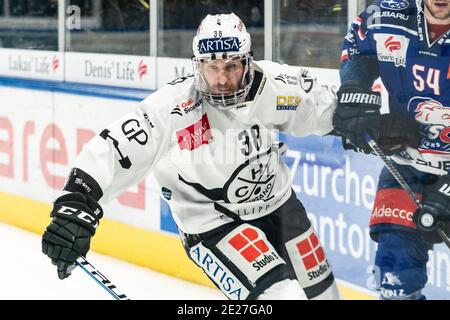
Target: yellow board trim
{"type": "Point", "coordinates": [155, 250]}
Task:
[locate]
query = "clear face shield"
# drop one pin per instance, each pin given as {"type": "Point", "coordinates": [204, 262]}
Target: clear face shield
{"type": "Point", "coordinates": [224, 82]}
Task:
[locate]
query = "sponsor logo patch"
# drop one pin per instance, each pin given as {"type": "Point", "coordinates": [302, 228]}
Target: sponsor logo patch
{"type": "Point", "coordinates": [394, 15]}
{"type": "Point", "coordinates": [224, 44]}
{"type": "Point", "coordinates": [392, 48]}
{"type": "Point", "coordinates": [227, 282]}
{"type": "Point", "coordinates": [287, 79]}
{"type": "Point", "coordinates": [186, 107]}
{"type": "Point", "coordinates": [393, 206]}
{"type": "Point", "coordinates": [288, 102]}
{"type": "Point", "coordinates": [195, 135]}
{"type": "Point", "coordinates": [306, 81]}
{"type": "Point", "coordinates": [248, 248]}
{"type": "Point", "coordinates": [308, 258]}
{"type": "Point", "coordinates": [395, 4]}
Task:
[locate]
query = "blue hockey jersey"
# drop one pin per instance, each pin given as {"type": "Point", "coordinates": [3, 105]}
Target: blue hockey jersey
{"type": "Point", "coordinates": [390, 40]}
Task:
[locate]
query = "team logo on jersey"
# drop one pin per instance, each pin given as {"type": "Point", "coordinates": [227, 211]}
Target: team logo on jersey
{"type": "Point", "coordinates": [394, 4]}
{"type": "Point", "coordinates": [248, 248]}
{"type": "Point", "coordinates": [434, 120]}
{"type": "Point", "coordinates": [392, 48]}
{"type": "Point", "coordinates": [195, 135]}
{"type": "Point", "coordinates": [254, 179]}
{"type": "Point", "coordinates": [308, 258]}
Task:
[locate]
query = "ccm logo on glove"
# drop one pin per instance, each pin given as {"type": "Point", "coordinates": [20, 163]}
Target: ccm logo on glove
{"type": "Point", "coordinates": [80, 215]}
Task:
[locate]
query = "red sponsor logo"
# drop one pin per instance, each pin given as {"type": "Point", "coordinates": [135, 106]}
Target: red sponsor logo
{"type": "Point", "coordinates": [195, 135]}
{"type": "Point", "coordinates": [186, 104]}
{"type": "Point", "coordinates": [393, 206]}
{"type": "Point", "coordinates": [248, 244]}
{"type": "Point", "coordinates": [55, 63]}
{"type": "Point", "coordinates": [311, 252]}
{"type": "Point", "coordinates": [142, 69]}
{"type": "Point", "coordinates": [392, 45]}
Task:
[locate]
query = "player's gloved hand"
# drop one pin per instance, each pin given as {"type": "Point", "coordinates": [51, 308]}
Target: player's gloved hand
{"type": "Point", "coordinates": [357, 114]}
{"type": "Point", "coordinates": [68, 236]}
{"type": "Point", "coordinates": [435, 212]}
{"type": "Point", "coordinates": [397, 132]}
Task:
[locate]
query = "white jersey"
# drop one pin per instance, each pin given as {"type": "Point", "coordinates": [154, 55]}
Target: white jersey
{"type": "Point", "coordinates": [212, 165]}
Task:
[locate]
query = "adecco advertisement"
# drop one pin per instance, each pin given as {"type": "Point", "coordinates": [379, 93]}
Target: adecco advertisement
{"type": "Point", "coordinates": [40, 137]}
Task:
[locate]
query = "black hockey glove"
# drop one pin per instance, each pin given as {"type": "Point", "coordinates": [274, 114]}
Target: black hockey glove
{"type": "Point", "coordinates": [436, 202]}
{"type": "Point", "coordinates": [357, 114]}
{"type": "Point", "coordinates": [397, 132]}
{"type": "Point", "coordinates": [68, 236]}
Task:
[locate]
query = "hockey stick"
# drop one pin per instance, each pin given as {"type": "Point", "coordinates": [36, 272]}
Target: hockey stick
{"type": "Point", "coordinates": [99, 278]}
{"type": "Point", "coordinates": [426, 219]}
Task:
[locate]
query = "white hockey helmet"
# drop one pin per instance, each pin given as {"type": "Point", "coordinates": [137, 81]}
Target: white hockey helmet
{"type": "Point", "coordinates": [222, 36]}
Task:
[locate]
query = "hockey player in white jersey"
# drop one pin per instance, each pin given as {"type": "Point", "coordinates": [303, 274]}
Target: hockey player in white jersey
{"type": "Point", "coordinates": [211, 142]}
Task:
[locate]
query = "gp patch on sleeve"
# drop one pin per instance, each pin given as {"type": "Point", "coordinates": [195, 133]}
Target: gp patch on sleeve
{"type": "Point", "coordinates": [308, 259]}
{"type": "Point", "coordinates": [218, 272]}
{"type": "Point", "coordinates": [249, 250]}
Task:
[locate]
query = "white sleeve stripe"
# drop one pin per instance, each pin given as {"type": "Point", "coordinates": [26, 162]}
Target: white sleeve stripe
{"type": "Point", "coordinates": [373, 26]}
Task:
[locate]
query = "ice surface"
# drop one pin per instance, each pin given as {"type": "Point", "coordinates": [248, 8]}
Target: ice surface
{"type": "Point", "coordinates": [26, 273]}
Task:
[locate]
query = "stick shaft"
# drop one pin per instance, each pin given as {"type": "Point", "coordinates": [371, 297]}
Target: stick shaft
{"type": "Point", "coordinates": [104, 282]}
